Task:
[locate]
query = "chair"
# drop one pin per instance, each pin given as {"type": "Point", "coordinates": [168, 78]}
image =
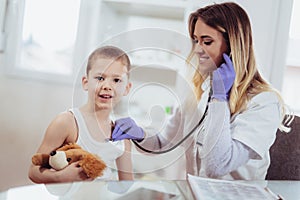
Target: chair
{"type": "Point", "coordinates": [285, 154]}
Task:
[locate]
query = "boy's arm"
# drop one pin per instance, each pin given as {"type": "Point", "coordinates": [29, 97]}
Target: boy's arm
{"type": "Point", "coordinates": [124, 163]}
{"type": "Point", "coordinates": [61, 130]}
{"type": "Point", "coordinates": [44, 175]}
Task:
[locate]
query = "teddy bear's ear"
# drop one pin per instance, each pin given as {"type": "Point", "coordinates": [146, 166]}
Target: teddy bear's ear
{"type": "Point", "coordinates": [92, 165]}
{"type": "Point", "coordinates": [41, 160]}
{"type": "Point", "coordinates": [69, 146]}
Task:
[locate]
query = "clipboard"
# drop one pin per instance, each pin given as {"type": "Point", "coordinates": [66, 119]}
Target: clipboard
{"type": "Point", "coordinates": [211, 189]}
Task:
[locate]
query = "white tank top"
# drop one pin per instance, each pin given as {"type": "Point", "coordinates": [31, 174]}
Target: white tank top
{"type": "Point", "coordinates": [107, 151]}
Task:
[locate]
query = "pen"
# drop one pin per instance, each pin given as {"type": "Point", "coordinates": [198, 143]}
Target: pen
{"type": "Point", "coordinates": [277, 196]}
{"type": "Point", "coordinates": [280, 197]}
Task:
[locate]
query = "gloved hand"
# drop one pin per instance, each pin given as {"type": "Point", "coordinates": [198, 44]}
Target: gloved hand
{"type": "Point", "coordinates": [223, 79]}
{"type": "Point", "coordinates": [126, 128]}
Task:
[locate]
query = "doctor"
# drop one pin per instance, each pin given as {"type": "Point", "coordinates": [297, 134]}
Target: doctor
{"type": "Point", "coordinates": [244, 111]}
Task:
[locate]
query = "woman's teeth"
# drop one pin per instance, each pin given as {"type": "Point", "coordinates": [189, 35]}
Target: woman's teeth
{"type": "Point", "coordinates": [203, 58]}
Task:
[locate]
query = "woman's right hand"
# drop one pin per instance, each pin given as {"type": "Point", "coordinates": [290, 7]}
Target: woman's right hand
{"type": "Point", "coordinates": [126, 128]}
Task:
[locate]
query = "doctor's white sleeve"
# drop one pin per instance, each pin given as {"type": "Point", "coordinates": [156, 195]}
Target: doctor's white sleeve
{"type": "Point", "coordinates": [228, 145]}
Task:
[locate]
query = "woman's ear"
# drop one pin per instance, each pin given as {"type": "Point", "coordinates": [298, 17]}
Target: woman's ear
{"type": "Point", "coordinates": [127, 89]}
{"type": "Point", "coordinates": [230, 55]}
{"type": "Point", "coordinates": [84, 82]}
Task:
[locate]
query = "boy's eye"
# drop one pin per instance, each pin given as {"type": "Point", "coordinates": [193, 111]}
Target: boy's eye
{"type": "Point", "coordinates": [69, 159]}
{"type": "Point", "coordinates": [99, 78]}
{"type": "Point", "coordinates": [117, 80]}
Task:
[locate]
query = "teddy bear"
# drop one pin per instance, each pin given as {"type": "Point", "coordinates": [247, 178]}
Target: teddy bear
{"type": "Point", "coordinates": [58, 159]}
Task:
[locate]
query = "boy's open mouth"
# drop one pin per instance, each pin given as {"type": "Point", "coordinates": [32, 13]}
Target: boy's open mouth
{"type": "Point", "coordinates": [105, 96]}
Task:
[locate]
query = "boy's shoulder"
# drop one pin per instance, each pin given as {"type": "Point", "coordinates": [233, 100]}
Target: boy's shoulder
{"type": "Point", "coordinates": [64, 125]}
{"type": "Point", "coordinates": [65, 116]}
{"type": "Point", "coordinates": [65, 119]}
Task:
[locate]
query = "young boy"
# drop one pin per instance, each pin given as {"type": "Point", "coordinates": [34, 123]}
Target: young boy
{"type": "Point", "coordinates": [106, 81]}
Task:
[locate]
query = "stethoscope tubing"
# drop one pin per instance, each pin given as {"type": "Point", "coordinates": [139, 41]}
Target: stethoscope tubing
{"type": "Point", "coordinates": [181, 141]}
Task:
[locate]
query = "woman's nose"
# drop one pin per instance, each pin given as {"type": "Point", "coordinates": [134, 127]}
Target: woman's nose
{"type": "Point", "coordinates": [199, 48]}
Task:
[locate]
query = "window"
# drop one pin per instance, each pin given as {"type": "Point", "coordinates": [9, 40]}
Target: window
{"type": "Point", "coordinates": [291, 79]}
{"type": "Point", "coordinates": [41, 38]}
{"type": "Point", "coordinates": [295, 29]}
{"type": "Point", "coordinates": [51, 39]}
{"type": "Point", "coordinates": [49, 35]}
{"type": "Point", "coordinates": [293, 56]}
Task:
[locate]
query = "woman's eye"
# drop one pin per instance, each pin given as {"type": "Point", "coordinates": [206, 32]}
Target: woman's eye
{"type": "Point", "coordinates": [100, 78]}
{"type": "Point", "coordinates": [69, 159]}
{"type": "Point", "coordinates": [207, 42]}
{"type": "Point", "coordinates": [195, 41]}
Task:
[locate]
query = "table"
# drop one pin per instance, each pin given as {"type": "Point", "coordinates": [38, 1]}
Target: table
{"type": "Point", "coordinates": [139, 189]}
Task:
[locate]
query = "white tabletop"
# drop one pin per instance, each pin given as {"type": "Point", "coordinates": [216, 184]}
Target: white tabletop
{"type": "Point", "coordinates": [289, 190]}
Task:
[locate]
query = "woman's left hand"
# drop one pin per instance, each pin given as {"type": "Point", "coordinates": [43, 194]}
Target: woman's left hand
{"type": "Point", "coordinates": [223, 79]}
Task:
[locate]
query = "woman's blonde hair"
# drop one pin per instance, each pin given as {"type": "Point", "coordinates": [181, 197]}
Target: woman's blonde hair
{"type": "Point", "coordinates": [234, 24]}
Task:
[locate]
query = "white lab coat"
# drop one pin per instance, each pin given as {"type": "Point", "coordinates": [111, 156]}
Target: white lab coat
{"type": "Point", "coordinates": [255, 127]}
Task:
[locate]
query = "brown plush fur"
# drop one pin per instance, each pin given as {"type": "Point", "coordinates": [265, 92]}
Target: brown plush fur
{"type": "Point", "coordinates": [91, 164]}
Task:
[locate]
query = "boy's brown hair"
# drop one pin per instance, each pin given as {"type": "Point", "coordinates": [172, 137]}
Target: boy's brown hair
{"type": "Point", "coordinates": [108, 52]}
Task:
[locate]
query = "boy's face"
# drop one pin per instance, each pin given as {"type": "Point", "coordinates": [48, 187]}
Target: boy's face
{"type": "Point", "coordinates": [106, 83]}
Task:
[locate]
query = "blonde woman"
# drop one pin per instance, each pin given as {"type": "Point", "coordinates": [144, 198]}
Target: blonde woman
{"type": "Point", "coordinates": [244, 111]}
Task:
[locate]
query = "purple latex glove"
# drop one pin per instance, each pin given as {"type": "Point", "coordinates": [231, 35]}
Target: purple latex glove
{"type": "Point", "coordinates": [223, 79]}
{"type": "Point", "coordinates": [126, 128]}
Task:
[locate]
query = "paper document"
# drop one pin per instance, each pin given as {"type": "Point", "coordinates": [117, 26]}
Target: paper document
{"type": "Point", "coordinates": [212, 189]}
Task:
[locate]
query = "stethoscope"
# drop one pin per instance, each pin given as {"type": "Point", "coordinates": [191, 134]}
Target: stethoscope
{"type": "Point", "coordinates": [183, 139]}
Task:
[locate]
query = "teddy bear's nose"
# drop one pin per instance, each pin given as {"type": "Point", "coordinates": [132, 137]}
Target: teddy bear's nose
{"type": "Point", "coordinates": [52, 153]}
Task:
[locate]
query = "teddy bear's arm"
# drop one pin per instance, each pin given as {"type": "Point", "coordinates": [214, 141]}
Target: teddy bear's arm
{"type": "Point", "coordinates": [41, 160]}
